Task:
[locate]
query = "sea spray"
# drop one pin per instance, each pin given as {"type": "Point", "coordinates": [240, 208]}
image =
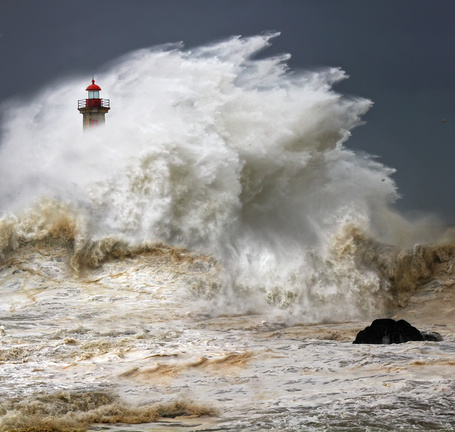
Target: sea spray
{"type": "Point", "coordinates": [213, 150]}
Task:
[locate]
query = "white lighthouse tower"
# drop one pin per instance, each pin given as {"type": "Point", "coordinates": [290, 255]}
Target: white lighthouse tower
{"type": "Point", "coordinates": [93, 108]}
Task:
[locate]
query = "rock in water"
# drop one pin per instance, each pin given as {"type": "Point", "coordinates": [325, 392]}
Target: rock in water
{"type": "Point", "coordinates": [431, 336]}
{"type": "Point", "coordinates": [388, 331]}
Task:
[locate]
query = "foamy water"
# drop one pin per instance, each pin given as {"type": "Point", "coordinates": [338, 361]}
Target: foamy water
{"type": "Point", "coordinates": [133, 335]}
{"type": "Point", "coordinates": [213, 250]}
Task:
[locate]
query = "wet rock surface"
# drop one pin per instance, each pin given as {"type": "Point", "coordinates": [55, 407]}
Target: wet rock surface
{"type": "Point", "coordinates": [389, 331]}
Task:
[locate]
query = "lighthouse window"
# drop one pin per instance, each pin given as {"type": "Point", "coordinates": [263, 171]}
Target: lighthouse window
{"type": "Point", "coordinates": [93, 94]}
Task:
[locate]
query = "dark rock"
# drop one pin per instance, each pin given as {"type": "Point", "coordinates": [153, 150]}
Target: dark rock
{"type": "Point", "coordinates": [431, 336]}
{"type": "Point", "coordinates": [388, 331]}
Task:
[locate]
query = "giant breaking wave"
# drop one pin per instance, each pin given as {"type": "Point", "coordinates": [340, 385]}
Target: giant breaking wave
{"type": "Point", "coordinates": [225, 154]}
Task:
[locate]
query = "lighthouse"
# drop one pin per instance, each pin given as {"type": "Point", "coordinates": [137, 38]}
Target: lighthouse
{"type": "Point", "coordinates": [93, 108]}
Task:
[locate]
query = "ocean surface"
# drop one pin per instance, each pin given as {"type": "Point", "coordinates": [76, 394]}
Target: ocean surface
{"type": "Point", "coordinates": [205, 260]}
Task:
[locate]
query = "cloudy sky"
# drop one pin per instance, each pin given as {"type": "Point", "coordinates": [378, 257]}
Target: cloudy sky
{"type": "Point", "coordinates": [398, 53]}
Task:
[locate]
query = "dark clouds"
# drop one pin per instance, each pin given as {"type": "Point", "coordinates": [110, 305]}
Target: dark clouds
{"type": "Point", "coordinates": [397, 52]}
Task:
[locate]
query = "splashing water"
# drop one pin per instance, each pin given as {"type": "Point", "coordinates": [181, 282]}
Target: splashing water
{"type": "Point", "coordinates": [215, 151]}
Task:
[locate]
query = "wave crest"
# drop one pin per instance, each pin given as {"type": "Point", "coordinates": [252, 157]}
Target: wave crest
{"type": "Point", "coordinates": [76, 411]}
{"type": "Point", "coordinates": [222, 153]}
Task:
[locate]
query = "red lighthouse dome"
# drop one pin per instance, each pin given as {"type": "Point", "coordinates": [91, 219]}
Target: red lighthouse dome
{"type": "Point", "coordinates": [93, 87]}
{"type": "Point", "coordinates": [93, 90]}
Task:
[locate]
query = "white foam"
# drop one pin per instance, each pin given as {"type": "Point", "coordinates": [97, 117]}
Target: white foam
{"type": "Point", "coordinates": [217, 151]}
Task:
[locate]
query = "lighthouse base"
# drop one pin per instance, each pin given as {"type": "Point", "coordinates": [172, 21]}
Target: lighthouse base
{"type": "Point", "coordinates": [93, 117]}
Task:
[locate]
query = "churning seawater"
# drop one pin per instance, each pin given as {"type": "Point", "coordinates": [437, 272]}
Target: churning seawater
{"type": "Point", "coordinates": [204, 261]}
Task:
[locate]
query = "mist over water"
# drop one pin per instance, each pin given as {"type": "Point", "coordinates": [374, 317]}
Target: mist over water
{"type": "Point", "coordinates": [218, 152]}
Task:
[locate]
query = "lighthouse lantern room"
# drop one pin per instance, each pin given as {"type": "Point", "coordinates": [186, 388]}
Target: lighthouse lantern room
{"type": "Point", "coordinates": [93, 108]}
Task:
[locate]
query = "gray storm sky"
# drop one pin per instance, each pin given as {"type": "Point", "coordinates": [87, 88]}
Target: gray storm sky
{"type": "Point", "coordinates": [398, 53]}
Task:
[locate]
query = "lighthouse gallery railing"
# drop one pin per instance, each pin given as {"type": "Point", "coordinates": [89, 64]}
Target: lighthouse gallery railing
{"type": "Point", "coordinates": [93, 103]}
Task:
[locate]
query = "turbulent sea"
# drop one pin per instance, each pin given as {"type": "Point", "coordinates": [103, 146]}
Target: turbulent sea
{"type": "Point", "coordinates": [205, 260]}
